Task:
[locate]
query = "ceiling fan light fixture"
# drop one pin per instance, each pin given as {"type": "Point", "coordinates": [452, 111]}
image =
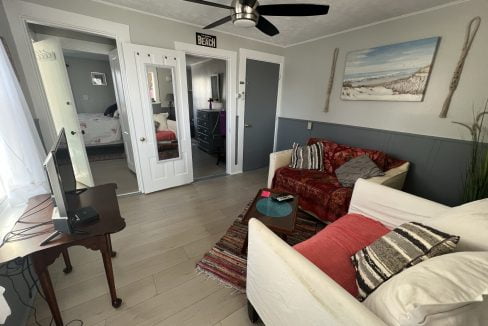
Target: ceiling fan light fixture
{"type": "Point", "coordinates": [246, 23]}
{"type": "Point", "coordinates": [245, 20]}
{"type": "Point", "coordinates": [244, 15]}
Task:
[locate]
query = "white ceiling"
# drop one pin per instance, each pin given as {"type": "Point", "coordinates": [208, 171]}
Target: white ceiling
{"type": "Point", "coordinates": [343, 15]}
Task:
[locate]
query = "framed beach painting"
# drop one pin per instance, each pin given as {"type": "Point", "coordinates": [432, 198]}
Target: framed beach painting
{"type": "Point", "coordinates": [396, 72]}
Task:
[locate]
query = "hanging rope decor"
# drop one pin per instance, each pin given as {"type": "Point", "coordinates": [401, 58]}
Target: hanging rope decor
{"type": "Point", "coordinates": [473, 27]}
{"type": "Point", "coordinates": [331, 79]}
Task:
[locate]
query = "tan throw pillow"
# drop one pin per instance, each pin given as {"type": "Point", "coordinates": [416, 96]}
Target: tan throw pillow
{"type": "Point", "coordinates": [401, 248]}
{"type": "Point", "coordinates": [162, 118]}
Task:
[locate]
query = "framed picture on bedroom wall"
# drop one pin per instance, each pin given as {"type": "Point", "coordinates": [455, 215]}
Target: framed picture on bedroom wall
{"type": "Point", "coordinates": [98, 79]}
{"type": "Point", "coordinates": [396, 72]}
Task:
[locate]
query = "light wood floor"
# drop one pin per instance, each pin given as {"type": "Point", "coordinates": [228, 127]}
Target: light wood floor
{"type": "Point", "coordinates": [204, 164]}
{"type": "Point", "coordinates": [115, 171]}
{"type": "Point", "coordinates": [166, 234]}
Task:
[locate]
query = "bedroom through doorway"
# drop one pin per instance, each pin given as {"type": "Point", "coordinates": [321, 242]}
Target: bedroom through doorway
{"type": "Point", "coordinates": [207, 96]}
{"type": "Point", "coordinates": [78, 72]}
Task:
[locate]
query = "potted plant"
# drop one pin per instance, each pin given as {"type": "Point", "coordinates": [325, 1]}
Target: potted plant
{"type": "Point", "coordinates": [476, 182]}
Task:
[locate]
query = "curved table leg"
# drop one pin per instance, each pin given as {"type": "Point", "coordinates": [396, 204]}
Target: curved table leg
{"type": "Point", "coordinates": [67, 262]}
{"type": "Point", "coordinates": [109, 242]}
{"type": "Point", "coordinates": [109, 272]}
{"type": "Point", "coordinates": [40, 267]}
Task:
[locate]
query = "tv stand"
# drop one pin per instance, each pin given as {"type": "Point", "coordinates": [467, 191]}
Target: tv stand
{"type": "Point", "coordinates": [50, 237]}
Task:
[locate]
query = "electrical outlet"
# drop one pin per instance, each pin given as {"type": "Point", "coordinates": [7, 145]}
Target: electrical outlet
{"type": "Point", "coordinates": [309, 125]}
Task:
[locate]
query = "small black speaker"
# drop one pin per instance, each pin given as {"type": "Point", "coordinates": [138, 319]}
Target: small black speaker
{"type": "Point", "coordinates": [85, 215]}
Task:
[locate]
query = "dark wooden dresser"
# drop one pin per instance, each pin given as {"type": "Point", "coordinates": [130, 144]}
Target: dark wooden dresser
{"type": "Point", "coordinates": [208, 135]}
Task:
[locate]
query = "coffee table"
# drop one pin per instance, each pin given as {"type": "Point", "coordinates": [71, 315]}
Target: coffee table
{"type": "Point", "coordinates": [279, 217]}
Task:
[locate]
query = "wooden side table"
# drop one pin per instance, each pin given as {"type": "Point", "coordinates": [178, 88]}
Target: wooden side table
{"type": "Point", "coordinates": [97, 237]}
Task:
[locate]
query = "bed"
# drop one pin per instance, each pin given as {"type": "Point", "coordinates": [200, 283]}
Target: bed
{"type": "Point", "coordinates": [100, 130]}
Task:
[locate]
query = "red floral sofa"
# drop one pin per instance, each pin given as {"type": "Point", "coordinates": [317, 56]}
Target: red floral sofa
{"type": "Point", "coordinates": [320, 193]}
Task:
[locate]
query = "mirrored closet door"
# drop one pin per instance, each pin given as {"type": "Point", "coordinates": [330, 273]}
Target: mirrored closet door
{"type": "Point", "coordinates": [157, 81]}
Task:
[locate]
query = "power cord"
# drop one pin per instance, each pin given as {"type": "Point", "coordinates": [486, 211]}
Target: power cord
{"type": "Point", "coordinates": [21, 234]}
{"type": "Point", "coordinates": [21, 266]}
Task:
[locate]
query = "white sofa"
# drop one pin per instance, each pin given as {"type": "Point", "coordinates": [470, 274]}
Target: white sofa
{"type": "Point", "coordinates": [394, 178]}
{"type": "Point", "coordinates": [287, 289]}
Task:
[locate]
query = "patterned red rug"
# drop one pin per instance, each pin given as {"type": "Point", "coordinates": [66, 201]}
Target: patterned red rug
{"type": "Point", "coordinates": [225, 262]}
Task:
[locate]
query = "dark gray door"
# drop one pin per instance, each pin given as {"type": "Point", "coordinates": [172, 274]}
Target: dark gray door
{"type": "Point", "coordinates": [260, 112]}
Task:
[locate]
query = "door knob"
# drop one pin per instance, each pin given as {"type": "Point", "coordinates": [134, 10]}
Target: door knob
{"type": "Point", "coordinates": [247, 125]}
{"type": "Point", "coordinates": [142, 139]}
{"type": "Point", "coordinates": [73, 132]}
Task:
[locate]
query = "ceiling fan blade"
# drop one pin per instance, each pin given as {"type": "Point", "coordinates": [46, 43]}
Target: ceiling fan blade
{"type": "Point", "coordinates": [266, 27]}
{"type": "Point", "coordinates": [208, 3]}
{"type": "Point", "coordinates": [293, 9]}
{"type": "Point", "coordinates": [218, 22]}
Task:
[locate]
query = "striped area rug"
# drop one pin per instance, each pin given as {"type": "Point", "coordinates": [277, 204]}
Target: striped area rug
{"type": "Point", "coordinates": [225, 262]}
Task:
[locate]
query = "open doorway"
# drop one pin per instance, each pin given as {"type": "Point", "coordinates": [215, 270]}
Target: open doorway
{"type": "Point", "coordinates": [207, 97]}
{"type": "Point", "coordinates": [77, 73]}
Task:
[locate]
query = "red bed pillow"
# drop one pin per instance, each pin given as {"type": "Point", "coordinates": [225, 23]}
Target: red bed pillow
{"type": "Point", "coordinates": [165, 135]}
{"type": "Point", "coordinates": [331, 249]}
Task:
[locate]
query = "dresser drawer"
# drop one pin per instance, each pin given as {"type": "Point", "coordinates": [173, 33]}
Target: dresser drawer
{"type": "Point", "coordinates": [203, 123]}
{"type": "Point", "coordinates": [203, 115]}
{"type": "Point", "coordinates": [204, 137]}
{"type": "Point", "coordinates": [203, 130]}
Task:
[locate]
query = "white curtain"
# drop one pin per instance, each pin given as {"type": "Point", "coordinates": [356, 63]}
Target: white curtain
{"type": "Point", "coordinates": [21, 154]}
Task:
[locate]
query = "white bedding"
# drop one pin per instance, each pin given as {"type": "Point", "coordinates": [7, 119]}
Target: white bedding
{"type": "Point", "coordinates": [99, 130]}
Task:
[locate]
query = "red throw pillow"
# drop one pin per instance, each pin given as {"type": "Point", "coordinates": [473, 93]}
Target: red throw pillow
{"type": "Point", "coordinates": [331, 249]}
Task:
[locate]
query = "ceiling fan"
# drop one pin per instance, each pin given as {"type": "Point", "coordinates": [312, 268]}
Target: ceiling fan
{"type": "Point", "coordinates": [249, 13]}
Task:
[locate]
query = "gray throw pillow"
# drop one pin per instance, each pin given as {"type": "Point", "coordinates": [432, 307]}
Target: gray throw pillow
{"type": "Point", "coordinates": [359, 167]}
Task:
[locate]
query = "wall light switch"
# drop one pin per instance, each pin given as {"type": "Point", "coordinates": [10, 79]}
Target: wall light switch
{"type": "Point", "coordinates": [309, 125]}
{"type": "Point", "coordinates": [85, 97]}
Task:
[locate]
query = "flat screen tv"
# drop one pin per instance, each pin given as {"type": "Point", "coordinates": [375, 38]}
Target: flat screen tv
{"type": "Point", "coordinates": [61, 176]}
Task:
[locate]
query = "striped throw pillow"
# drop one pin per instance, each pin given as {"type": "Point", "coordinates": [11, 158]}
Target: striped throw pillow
{"type": "Point", "coordinates": [401, 248]}
{"type": "Point", "coordinates": [308, 157]}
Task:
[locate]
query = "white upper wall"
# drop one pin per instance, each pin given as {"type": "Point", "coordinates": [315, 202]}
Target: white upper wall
{"type": "Point", "coordinates": [307, 68]}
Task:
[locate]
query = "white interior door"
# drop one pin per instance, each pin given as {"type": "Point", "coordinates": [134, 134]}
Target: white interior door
{"type": "Point", "coordinates": [54, 75]}
{"type": "Point", "coordinates": [122, 108]}
{"type": "Point", "coordinates": [157, 89]}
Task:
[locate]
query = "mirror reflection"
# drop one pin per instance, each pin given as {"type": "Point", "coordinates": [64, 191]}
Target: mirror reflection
{"type": "Point", "coordinates": [161, 95]}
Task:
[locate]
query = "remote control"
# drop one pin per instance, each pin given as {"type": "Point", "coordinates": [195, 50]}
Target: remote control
{"type": "Point", "coordinates": [284, 198]}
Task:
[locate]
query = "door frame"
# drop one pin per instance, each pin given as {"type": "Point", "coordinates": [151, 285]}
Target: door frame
{"type": "Point", "coordinates": [19, 14]}
{"type": "Point", "coordinates": [245, 54]}
{"type": "Point", "coordinates": [233, 161]}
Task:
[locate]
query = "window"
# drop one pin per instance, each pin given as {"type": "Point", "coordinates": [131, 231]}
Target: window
{"type": "Point", "coordinates": [3, 194]}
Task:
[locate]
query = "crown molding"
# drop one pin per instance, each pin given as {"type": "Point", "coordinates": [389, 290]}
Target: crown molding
{"type": "Point", "coordinates": [454, 3]}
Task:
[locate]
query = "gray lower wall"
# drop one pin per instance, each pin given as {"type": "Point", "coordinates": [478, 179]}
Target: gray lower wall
{"type": "Point", "coordinates": [437, 164]}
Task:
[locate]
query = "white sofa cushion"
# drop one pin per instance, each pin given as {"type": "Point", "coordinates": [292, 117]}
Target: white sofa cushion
{"type": "Point", "coordinates": [469, 221]}
{"type": "Point", "coordinates": [444, 290]}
